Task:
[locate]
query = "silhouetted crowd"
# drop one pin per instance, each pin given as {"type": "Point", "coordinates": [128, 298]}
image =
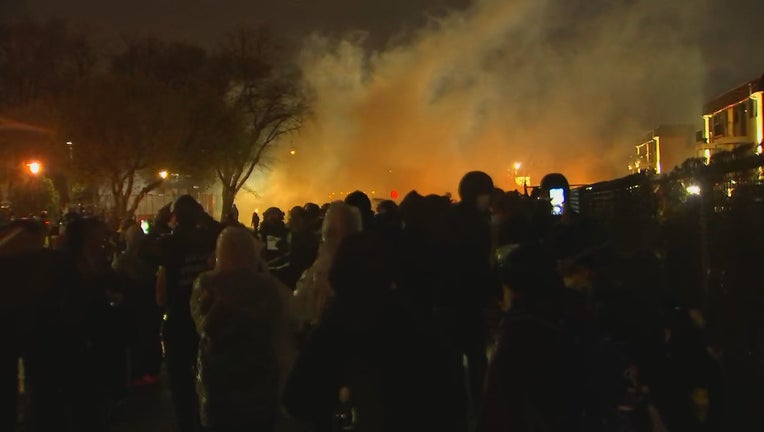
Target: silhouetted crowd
{"type": "Point", "coordinates": [499, 312]}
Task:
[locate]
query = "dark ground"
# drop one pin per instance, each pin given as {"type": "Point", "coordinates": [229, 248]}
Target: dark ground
{"type": "Point", "coordinates": [149, 409]}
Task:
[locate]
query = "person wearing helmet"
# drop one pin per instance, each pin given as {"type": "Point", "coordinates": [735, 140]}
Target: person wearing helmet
{"type": "Point", "coordinates": [462, 298]}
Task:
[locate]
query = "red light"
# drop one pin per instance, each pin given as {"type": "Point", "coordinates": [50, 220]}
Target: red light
{"type": "Point", "coordinates": [394, 194]}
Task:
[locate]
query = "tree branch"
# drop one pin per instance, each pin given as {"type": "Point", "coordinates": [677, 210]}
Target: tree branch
{"type": "Point", "coordinates": [244, 178]}
{"type": "Point", "coordinates": [141, 195]}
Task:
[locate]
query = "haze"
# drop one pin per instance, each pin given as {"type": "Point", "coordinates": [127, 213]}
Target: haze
{"type": "Point", "coordinates": [411, 95]}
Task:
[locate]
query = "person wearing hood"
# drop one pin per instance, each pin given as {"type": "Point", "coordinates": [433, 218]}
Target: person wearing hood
{"type": "Point", "coordinates": [362, 202]}
{"type": "Point", "coordinates": [462, 298]}
{"type": "Point", "coordinates": [185, 254]}
{"type": "Point", "coordinates": [369, 342]}
{"type": "Point", "coordinates": [243, 317]}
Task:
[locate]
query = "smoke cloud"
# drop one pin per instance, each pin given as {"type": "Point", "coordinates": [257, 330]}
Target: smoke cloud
{"type": "Point", "coordinates": [558, 85]}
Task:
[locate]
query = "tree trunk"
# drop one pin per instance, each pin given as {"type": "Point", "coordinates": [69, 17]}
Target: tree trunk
{"type": "Point", "coordinates": [120, 209]}
{"type": "Point", "coordinates": [229, 195]}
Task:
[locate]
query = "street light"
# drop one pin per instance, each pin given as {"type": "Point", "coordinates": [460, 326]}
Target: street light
{"type": "Point", "coordinates": [520, 180]}
{"type": "Point", "coordinates": [693, 190]}
{"type": "Point", "coordinates": [163, 174]}
{"type": "Point", "coordinates": [34, 167]}
{"type": "Point", "coordinates": [293, 152]}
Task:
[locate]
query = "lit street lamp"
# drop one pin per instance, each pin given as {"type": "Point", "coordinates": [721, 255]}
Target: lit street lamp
{"type": "Point", "coordinates": [34, 167]}
{"type": "Point", "coordinates": [163, 174]}
{"type": "Point", "coordinates": [520, 180]}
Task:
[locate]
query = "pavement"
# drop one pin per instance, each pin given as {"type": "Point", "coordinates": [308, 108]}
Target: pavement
{"type": "Point", "coordinates": [146, 408]}
{"type": "Point", "coordinates": [149, 409]}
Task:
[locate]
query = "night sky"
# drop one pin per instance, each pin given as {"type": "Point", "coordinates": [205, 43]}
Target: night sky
{"type": "Point", "coordinates": [731, 32]}
{"type": "Point", "coordinates": [205, 20]}
{"type": "Point", "coordinates": [561, 85]}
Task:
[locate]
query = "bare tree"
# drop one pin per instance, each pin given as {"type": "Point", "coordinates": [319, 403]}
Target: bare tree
{"type": "Point", "coordinates": [125, 130]}
{"type": "Point", "coordinates": [269, 99]}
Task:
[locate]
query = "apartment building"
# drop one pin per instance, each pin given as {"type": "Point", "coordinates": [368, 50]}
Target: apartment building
{"type": "Point", "coordinates": [734, 121]}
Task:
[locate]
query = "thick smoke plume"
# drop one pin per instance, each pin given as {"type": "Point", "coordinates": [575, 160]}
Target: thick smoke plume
{"type": "Point", "coordinates": [559, 85]}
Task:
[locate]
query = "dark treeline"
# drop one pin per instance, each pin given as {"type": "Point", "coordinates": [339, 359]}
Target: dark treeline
{"type": "Point", "coordinates": [144, 106]}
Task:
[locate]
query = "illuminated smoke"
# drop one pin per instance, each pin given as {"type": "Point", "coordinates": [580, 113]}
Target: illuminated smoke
{"type": "Point", "coordinates": [561, 85]}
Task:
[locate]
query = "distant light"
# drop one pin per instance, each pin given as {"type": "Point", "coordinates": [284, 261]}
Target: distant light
{"type": "Point", "coordinates": [693, 190]}
{"type": "Point", "coordinates": [707, 155]}
{"type": "Point", "coordinates": [34, 167]}
{"type": "Point", "coordinates": [69, 143]}
{"type": "Point", "coordinates": [394, 194]}
{"type": "Point", "coordinates": [293, 152]}
{"type": "Point", "coordinates": [145, 226]}
{"type": "Point", "coordinates": [522, 180]}
{"type": "Point", "coordinates": [518, 165]}
{"type": "Point", "coordinates": [758, 149]}
{"type": "Point", "coordinates": [163, 174]}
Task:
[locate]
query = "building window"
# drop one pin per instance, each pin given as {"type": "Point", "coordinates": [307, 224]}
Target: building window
{"type": "Point", "coordinates": [740, 120]}
{"type": "Point", "coordinates": [720, 123]}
